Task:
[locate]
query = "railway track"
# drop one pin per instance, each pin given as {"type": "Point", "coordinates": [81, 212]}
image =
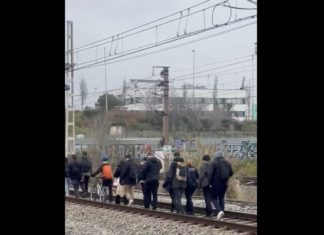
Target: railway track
{"type": "Point", "coordinates": [238, 225]}
{"type": "Point", "coordinates": [197, 209]}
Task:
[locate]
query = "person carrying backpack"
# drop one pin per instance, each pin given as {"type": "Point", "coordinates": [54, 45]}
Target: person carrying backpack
{"type": "Point", "coordinates": [86, 171]}
{"type": "Point", "coordinates": [192, 184]}
{"type": "Point", "coordinates": [222, 171]}
{"type": "Point", "coordinates": [178, 179]}
{"type": "Point", "coordinates": [205, 179]}
{"type": "Point", "coordinates": [106, 174]}
{"type": "Point", "coordinates": [75, 174]}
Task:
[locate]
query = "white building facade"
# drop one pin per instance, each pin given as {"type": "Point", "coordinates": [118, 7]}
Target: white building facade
{"type": "Point", "coordinates": [138, 95]}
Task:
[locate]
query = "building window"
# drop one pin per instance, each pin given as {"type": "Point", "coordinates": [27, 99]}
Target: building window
{"type": "Point", "coordinates": [238, 114]}
{"type": "Point", "coordinates": [239, 101]}
{"type": "Point", "coordinates": [228, 101]}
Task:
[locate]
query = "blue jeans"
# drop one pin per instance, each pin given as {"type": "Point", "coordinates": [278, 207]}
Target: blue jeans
{"type": "Point", "coordinates": [178, 192]}
{"type": "Point", "coordinates": [189, 205]}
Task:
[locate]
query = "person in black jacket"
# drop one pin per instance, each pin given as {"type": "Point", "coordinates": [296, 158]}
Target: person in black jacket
{"type": "Point", "coordinates": [150, 175]}
{"type": "Point", "coordinates": [86, 171]}
{"type": "Point", "coordinates": [140, 173]}
{"type": "Point", "coordinates": [222, 171]}
{"type": "Point", "coordinates": [128, 178]}
{"type": "Point", "coordinates": [205, 179]}
{"type": "Point", "coordinates": [66, 177]}
{"type": "Point", "coordinates": [167, 184]}
{"type": "Point", "coordinates": [177, 186]}
{"type": "Point", "coordinates": [75, 174]}
{"type": "Point", "coordinates": [120, 190]}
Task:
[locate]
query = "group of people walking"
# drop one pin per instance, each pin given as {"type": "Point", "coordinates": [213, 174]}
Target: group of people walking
{"type": "Point", "coordinates": [181, 178]}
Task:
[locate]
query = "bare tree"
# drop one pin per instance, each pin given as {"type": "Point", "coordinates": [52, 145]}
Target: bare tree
{"type": "Point", "coordinates": [99, 128]}
{"type": "Point", "coordinates": [83, 92]}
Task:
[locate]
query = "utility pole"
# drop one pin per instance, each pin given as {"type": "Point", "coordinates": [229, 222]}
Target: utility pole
{"type": "Point", "coordinates": [252, 90]}
{"type": "Point", "coordinates": [106, 81]}
{"type": "Point", "coordinates": [165, 75]}
{"type": "Point", "coordinates": [193, 77]}
{"type": "Point", "coordinates": [215, 94]}
{"type": "Point", "coordinates": [69, 95]}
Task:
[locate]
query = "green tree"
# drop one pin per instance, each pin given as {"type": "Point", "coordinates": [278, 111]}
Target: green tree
{"type": "Point", "coordinates": [112, 102]}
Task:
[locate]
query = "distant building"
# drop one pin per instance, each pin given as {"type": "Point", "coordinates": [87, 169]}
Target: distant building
{"type": "Point", "coordinates": [139, 95]}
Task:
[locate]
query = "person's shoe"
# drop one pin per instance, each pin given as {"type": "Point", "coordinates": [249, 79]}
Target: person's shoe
{"type": "Point", "coordinates": [220, 215]}
{"type": "Point", "coordinates": [130, 202]}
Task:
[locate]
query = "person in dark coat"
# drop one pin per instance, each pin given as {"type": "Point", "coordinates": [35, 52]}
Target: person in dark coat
{"type": "Point", "coordinates": [167, 184]}
{"type": "Point", "coordinates": [177, 186]}
{"type": "Point", "coordinates": [205, 179]}
{"type": "Point", "coordinates": [120, 190]}
{"type": "Point", "coordinates": [75, 174]}
{"type": "Point", "coordinates": [86, 171]}
{"type": "Point", "coordinates": [128, 178]}
{"type": "Point", "coordinates": [150, 175]}
{"type": "Point", "coordinates": [140, 173]}
{"type": "Point", "coordinates": [222, 171]}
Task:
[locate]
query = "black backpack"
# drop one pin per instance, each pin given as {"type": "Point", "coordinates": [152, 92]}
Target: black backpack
{"type": "Point", "coordinates": [192, 180]}
{"type": "Point", "coordinates": [132, 174]}
{"type": "Point", "coordinates": [224, 171]}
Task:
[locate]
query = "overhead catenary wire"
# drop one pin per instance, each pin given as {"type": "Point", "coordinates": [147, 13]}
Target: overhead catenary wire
{"type": "Point", "coordinates": [97, 64]}
{"type": "Point", "coordinates": [174, 38]}
{"type": "Point", "coordinates": [137, 27]}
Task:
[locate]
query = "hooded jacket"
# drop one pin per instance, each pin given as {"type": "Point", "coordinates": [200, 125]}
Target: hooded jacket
{"type": "Point", "coordinates": [221, 167]}
{"type": "Point", "coordinates": [151, 169]}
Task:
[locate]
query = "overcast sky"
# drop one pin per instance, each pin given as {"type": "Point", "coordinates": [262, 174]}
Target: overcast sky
{"type": "Point", "coordinates": [94, 20]}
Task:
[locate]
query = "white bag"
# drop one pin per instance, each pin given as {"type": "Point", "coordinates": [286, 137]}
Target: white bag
{"type": "Point", "coordinates": [116, 182]}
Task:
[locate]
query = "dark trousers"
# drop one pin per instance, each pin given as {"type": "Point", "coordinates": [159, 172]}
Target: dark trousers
{"type": "Point", "coordinates": [207, 196]}
{"type": "Point", "coordinates": [76, 184]}
{"type": "Point", "coordinates": [85, 183]}
{"type": "Point", "coordinates": [118, 200]}
{"type": "Point", "coordinates": [178, 192]}
{"type": "Point", "coordinates": [171, 192]}
{"type": "Point", "coordinates": [150, 189]}
{"type": "Point", "coordinates": [189, 205]}
{"type": "Point", "coordinates": [142, 186]}
{"type": "Point", "coordinates": [218, 195]}
{"type": "Point", "coordinates": [108, 183]}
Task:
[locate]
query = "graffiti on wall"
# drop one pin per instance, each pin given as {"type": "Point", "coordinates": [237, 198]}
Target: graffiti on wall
{"type": "Point", "coordinates": [239, 150]}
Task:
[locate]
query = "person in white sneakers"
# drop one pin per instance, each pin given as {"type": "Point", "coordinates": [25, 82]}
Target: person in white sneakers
{"type": "Point", "coordinates": [222, 171]}
{"type": "Point", "coordinates": [128, 178]}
